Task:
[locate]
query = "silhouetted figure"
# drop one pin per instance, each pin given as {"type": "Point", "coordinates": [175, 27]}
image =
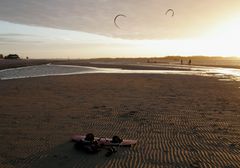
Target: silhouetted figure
{"type": "Point", "coordinates": [189, 62]}
{"type": "Point", "coordinates": [181, 62]}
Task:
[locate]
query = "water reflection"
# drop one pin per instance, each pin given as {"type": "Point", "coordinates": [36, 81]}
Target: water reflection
{"type": "Point", "coordinates": [43, 70]}
{"type": "Point", "coordinates": [224, 74]}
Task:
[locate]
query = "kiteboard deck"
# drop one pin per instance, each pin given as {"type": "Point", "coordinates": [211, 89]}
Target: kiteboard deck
{"type": "Point", "coordinates": [105, 141]}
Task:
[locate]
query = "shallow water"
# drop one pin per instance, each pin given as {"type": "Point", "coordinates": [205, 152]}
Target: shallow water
{"type": "Point", "coordinates": [223, 74]}
{"type": "Point", "coordinates": [43, 70]}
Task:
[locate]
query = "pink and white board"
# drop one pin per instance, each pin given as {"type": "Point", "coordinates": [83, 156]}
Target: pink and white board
{"type": "Point", "coordinates": [105, 141]}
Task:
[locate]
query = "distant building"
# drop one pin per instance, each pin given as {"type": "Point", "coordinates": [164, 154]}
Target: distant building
{"type": "Point", "coordinates": [12, 56]}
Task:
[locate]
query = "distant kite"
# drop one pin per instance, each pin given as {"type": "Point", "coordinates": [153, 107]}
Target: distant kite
{"type": "Point", "coordinates": [170, 10]}
{"type": "Point", "coordinates": [115, 20]}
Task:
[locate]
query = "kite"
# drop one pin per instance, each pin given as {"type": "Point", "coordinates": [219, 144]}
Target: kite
{"type": "Point", "coordinates": [170, 10]}
{"type": "Point", "coordinates": [115, 19]}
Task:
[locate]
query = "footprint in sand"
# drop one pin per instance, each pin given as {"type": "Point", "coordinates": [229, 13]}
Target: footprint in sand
{"type": "Point", "coordinates": [128, 115]}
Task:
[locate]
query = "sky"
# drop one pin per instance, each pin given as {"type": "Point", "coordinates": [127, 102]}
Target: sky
{"type": "Point", "coordinates": [85, 28]}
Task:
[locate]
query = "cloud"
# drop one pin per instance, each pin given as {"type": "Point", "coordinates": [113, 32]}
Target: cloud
{"type": "Point", "coordinates": [17, 38]}
{"type": "Point", "coordinates": [15, 35]}
{"type": "Point", "coordinates": [6, 41]}
{"type": "Point", "coordinates": [145, 19]}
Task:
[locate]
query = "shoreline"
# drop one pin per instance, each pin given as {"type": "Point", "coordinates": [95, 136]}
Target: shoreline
{"type": "Point", "coordinates": [63, 69]}
{"type": "Point", "coordinates": [133, 64]}
{"type": "Point", "coordinates": [9, 64]}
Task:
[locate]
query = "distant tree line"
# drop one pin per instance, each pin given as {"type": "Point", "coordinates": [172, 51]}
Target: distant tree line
{"type": "Point", "coordinates": [10, 56]}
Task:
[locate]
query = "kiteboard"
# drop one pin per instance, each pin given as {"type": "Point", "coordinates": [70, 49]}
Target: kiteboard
{"type": "Point", "coordinates": [105, 141]}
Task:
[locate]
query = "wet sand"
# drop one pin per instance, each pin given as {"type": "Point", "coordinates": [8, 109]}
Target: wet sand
{"type": "Point", "coordinates": [8, 63]}
{"type": "Point", "coordinates": [161, 63]}
{"type": "Point", "coordinates": [127, 65]}
{"type": "Point", "coordinates": [179, 121]}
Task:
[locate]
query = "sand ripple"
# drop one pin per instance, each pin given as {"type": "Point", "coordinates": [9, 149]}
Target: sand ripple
{"type": "Point", "coordinates": [178, 121]}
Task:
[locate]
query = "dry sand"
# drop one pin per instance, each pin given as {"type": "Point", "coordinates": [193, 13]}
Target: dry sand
{"type": "Point", "coordinates": [179, 121]}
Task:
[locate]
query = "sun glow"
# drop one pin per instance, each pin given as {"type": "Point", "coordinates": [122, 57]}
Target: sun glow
{"type": "Point", "coordinates": [227, 31]}
{"type": "Point", "coordinates": [220, 40]}
{"type": "Point", "coordinates": [224, 37]}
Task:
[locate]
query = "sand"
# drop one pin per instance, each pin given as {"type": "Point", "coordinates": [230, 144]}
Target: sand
{"type": "Point", "coordinates": [179, 121]}
{"type": "Point", "coordinates": [8, 63]}
{"type": "Point", "coordinates": [134, 65]}
{"type": "Point", "coordinates": [155, 63]}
